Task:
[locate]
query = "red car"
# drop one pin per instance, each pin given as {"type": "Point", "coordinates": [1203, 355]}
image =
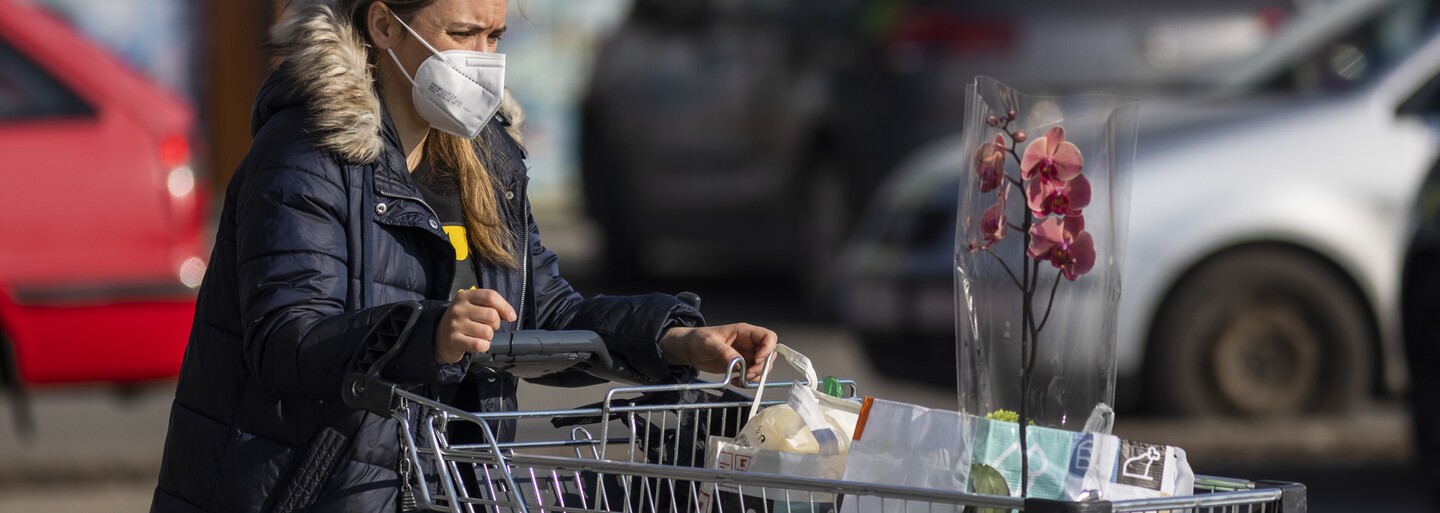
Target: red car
{"type": "Point", "coordinates": [100, 212]}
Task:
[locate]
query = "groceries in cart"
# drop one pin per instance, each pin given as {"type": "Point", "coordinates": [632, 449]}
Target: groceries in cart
{"type": "Point", "coordinates": [808, 435]}
{"type": "Point", "coordinates": [886, 442]}
{"type": "Point", "coordinates": [707, 448]}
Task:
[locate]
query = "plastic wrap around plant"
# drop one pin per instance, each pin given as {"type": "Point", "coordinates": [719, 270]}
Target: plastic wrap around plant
{"type": "Point", "coordinates": [1039, 251]}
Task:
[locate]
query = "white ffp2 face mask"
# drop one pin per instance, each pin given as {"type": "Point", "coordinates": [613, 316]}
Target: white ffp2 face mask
{"type": "Point", "coordinates": [456, 91]}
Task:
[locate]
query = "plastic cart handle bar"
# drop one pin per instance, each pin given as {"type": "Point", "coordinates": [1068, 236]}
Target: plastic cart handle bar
{"type": "Point", "coordinates": [525, 354]}
{"type": "Point", "coordinates": [535, 353]}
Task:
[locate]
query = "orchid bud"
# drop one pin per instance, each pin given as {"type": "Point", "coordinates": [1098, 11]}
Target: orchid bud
{"type": "Point", "coordinates": [1010, 114]}
{"type": "Point", "coordinates": [990, 120]}
{"type": "Point", "coordinates": [1020, 136]}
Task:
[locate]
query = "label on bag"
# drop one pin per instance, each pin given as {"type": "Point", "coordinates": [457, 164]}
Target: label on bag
{"type": "Point", "coordinates": [723, 454]}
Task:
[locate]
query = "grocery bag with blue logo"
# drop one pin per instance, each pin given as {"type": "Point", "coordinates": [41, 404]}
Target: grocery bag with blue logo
{"type": "Point", "coordinates": [909, 445]}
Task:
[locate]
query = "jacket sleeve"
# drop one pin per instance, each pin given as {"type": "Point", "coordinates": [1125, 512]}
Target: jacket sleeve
{"type": "Point", "coordinates": [293, 279]}
{"type": "Point", "coordinates": [630, 325]}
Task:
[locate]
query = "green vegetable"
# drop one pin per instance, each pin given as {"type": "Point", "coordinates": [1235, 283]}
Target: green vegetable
{"type": "Point", "coordinates": [1006, 416]}
{"type": "Point", "coordinates": [984, 479]}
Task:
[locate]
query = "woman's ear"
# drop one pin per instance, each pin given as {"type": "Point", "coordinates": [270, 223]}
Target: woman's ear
{"type": "Point", "coordinates": [381, 26]}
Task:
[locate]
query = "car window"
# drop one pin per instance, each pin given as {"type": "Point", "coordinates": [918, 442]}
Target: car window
{"type": "Point", "coordinates": [27, 91]}
{"type": "Point", "coordinates": [1360, 54]}
{"type": "Point", "coordinates": [1329, 50]}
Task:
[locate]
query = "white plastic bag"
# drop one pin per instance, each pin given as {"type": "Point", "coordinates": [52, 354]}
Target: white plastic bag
{"type": "Point", "coordinates": [808, 436]}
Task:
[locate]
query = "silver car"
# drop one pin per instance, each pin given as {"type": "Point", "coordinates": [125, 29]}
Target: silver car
{"type": "Point", "coordinates": [1267, 223]}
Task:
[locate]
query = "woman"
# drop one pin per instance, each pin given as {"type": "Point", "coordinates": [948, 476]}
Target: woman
{"type": "Point", "coordinates": [362, 191]}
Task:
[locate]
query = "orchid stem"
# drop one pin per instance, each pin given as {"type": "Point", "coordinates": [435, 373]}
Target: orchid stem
{"type": "Point", "coordinates": [1028, 339]}
{"type": "Point", "coordinates": [1013, 278]}
{"type": "Point", "coordinates": [1051, 305]}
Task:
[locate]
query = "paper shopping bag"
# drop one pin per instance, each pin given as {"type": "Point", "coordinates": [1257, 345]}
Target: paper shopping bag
{"type": "Point", "coordinates": [908, 445]}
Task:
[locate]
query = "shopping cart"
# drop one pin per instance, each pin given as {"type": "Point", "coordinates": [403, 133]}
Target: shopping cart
{"type": "Point", "coordinates": [642, 449]}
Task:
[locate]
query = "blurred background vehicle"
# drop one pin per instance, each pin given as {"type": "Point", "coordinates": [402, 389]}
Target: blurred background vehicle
{"type": "Point", "coordinates": [725, 138]}
{"type": "Point", "coordinates": [102, 244]}
{"type": "Point", "coordinates": [1419, 300]}
{"type": "Point", "coordinates": [1266, 230]}
{"type": "Point", "coordinates": [889, 70]}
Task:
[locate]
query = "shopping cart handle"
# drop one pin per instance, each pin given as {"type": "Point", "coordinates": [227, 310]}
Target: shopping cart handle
{"type": "Point", "coordinates": [364, 389]}
{"type": "Point", "coordinates": [536, 353]}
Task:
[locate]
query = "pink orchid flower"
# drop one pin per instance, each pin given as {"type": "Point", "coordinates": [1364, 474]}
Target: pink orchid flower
{"type": "Point", "coordinates": [1052, 158]}
{"type": "Point", "coordinates": [990, 164]}
{"type": "Point", "coordinates": [992, 223]}
{"type": "Point", "coordinates": [1064, 198]}
{"type": "Point", "coordinates": [1065, 244]}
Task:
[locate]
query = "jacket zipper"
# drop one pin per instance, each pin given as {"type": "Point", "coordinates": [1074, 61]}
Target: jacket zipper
{"type": "Point", "coordinates": [524, 256]}
{"type": "Point", "coordinates": [422, 203]}
{"type": "Point", "coordinates": [524, 266]}
{"type": "Point", "coordinates": [524, 282]}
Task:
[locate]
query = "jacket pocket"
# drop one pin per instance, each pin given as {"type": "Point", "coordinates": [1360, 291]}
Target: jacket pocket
{"type": "Point", "coordinates": [309, 473]}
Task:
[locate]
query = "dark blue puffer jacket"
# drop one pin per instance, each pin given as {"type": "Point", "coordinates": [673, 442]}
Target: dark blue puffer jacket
{"type": "Point", "coordinates": [285, 306]}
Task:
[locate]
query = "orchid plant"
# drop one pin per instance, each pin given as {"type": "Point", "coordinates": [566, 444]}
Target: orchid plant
{"type": "Point", "coordinates": [1053, 226]}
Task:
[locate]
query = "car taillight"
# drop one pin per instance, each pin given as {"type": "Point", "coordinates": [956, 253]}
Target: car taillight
{"type": "Point", "coordinates": [174, 151]}
{"type": "Point", "coordinates": [967, 36]}
{"type": "Point", "coordinates": [1272, 18]}
{"type": "Point", "coordinates": [175, 160]}
{"type": "Point", "coordinates": [180, 182]}
{"type": "Point", "coordinates": [185, 209]}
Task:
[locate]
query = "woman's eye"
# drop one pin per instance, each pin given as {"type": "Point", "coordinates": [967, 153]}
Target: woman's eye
{"type": "Point", "coordinates": [461, 36]}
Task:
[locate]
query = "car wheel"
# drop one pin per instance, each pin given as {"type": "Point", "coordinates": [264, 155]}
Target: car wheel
{"type": "Point", "coordinates": [1261, 332]}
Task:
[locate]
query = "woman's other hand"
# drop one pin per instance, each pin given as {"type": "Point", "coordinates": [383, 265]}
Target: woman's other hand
{"type": "Point", "coordinates": [470, 323]}
{"type": "Point", "coordinates": [710, 348]}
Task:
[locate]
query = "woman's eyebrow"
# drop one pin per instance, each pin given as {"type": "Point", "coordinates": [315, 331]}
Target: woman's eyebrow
{"type": "Point", "coordinates": [469, 26]}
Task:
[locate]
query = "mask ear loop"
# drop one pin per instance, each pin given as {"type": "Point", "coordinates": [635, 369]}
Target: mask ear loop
{"type": "Point", "coordinates": [412, 32]}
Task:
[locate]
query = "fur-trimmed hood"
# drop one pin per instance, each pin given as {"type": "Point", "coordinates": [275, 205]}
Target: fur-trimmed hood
{"type": "Point", "coordinates": [326, 69]}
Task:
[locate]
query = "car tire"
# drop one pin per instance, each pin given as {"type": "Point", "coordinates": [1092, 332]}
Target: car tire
{"type": "Point", "coordinates": [1261, 332]}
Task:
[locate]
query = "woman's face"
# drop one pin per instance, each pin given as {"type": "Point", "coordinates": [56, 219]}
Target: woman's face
{"type": "Point", "coordinates": [475, 25]}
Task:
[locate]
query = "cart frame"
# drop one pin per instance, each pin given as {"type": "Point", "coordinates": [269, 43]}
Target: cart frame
{"type": "Point", "coordinates": [611, 472]}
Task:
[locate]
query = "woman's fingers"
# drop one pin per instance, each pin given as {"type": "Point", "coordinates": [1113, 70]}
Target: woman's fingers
{"type": "Point", "coordinates": [486, 298]}
{"type": "Point", "coordinates": [470, 323]}
{"type": "Point", "coordinates": [711, 348]}
{"type": "Point", "coordinates": [763, 343]}
{"type": "Point", "coordinates": [482, 315]}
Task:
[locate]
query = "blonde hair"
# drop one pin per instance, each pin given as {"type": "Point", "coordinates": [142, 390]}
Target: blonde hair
{"type": "Point", "coordinates": [490, 237]}
{"type": "Point", "coordinates": [488, 234]}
